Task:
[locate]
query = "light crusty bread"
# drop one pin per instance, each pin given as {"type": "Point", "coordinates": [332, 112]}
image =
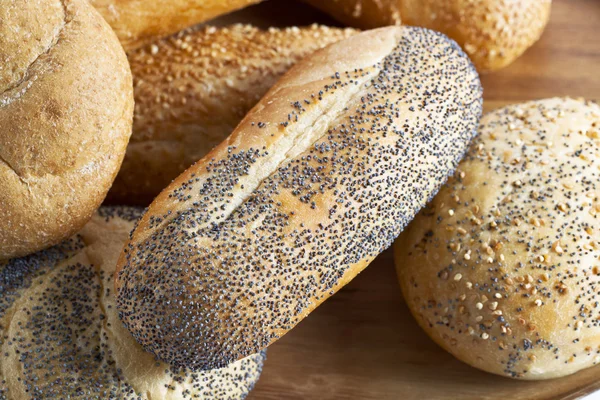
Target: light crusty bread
{"type": "Point", "coordinates": [191, 90]}
{"type": "Point", "coordinates": [60, 335]}
{"type": "Point", "coordinates": [320, 176]}
{"type": "Point", "coordinates": [492, 32]}
{"type": "Point", "coordinates": [502, 269]}
{"type": "Point", "coordinates": [66, 106]}
{"type": "Point", "coordinates": [138, 22]}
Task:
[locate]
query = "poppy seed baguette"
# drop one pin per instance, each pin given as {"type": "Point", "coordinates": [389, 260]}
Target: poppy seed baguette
{"type": "Point", "coordinates": [314, 183]}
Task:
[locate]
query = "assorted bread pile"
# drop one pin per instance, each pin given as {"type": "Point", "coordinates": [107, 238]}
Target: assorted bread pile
{"type": "Point", "coordinates": [279, 163]}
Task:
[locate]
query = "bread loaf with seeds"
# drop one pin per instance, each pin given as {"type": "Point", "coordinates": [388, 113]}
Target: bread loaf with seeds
{"type": "Point", "coordinates": [319, 178]}
{"type": "Point", "coordinates": [492, 32]}
{"type": "Point", "coordinates": [66, 105]}
{"type": "Point", "coordinates": [139, 22]}
{"type": "Point", "coordinates": [61, 338]}
{"type": "Point", "coordinates": [502, 269]}
{"type": "Point", "coordinates": [192, 89]}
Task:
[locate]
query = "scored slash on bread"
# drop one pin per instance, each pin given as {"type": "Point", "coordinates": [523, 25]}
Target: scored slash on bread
{"type": "Point", "coordinates": [191, 90]}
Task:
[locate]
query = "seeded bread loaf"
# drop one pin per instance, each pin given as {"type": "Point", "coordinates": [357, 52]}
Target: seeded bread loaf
{"type": "Point", "coordinates": [319, 177]}
{"type": "Point", "coordinates": [61, 338]}
{"type": "Point", "coordinates": [492, 32]}
{"type": "Point", "coordinates": [139, 22]}
{"type": "Point", "coordinates": [502, 269]}
{"type": "Point", "coordinates": [192, 89]}
{"type": "Point", "coordinates": [66, 106]}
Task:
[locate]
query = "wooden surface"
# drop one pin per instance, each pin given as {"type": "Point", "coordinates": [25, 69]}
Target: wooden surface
{"type": "Point", "coordinates": [363, 343]}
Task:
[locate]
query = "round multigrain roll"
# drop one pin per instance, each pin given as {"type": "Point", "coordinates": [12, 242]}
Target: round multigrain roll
{"type": "Point", "coordinates": [138, 22]}
{"type": "Point", "coordinates": [502, 269]}
{"type": "Point", "coordinates": [66, 106]}
{"type": "Point", "coordinates": [492, 32]}
{"type": "Point", "coordinates": [319, 178]}
{"type": "Point", "coordinates": [191, 90]}
{"type": "Point", "coordinates": [61, 338]}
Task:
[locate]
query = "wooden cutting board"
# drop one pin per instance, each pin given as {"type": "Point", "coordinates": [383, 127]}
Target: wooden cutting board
{"type": "Point", "coordinates": [363, 343]}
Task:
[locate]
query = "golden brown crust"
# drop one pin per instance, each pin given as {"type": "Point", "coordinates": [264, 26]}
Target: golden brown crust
{"type": "Point", "coordinates": [66, 107]}
{"type": "Point", "coordinates": [503, 269]}
{"type": "Point", "coordinates": [61, 338]}
{"type": "Point", "coordinates": [492, 32]}
{"type": "Point", "coordinates": [192, 89]}
{"type": "Point", "coordinates": [137, 23]}
{"type": "Point", "coordinates": [319, 177]}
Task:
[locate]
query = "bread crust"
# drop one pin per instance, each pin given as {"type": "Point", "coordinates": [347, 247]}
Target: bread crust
{"type": "Point", "coordinates": [137, 23]}
{"type": "Point", "coordinates": [192, 89]}
{"type": "Point", "coordinates": [492, 32]}
{"type": "Point", "coordinates": [319, 177]}
{"type": "Point", "coordinates": [60, 335]}
{"type": "Point", "coordinates": [502, 268]}
{"type": "Point", "coordinates": [66, 106]}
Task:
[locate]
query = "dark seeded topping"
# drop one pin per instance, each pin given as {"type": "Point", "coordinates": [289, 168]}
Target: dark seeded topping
{"type": "Point", "coordinates": [60, 336]}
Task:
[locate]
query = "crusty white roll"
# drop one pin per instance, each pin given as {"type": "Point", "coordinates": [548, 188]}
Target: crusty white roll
{"type": "Point", "coordinates": [502, 269]}
{"type": "Point", "coordinates": [492, 32]}
{"type": "Point", "coordinates": [138, 22]}
{"type": "Point", "coordinates": [61, 338]}
{"type": "Point", "coordinates": [192, 89]}
{"type": "Point", "coordinates": [319, 178]}
{"type": "Point", "coordinates": [66, 106]}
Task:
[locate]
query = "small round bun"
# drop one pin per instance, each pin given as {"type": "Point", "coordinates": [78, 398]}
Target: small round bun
{"type": "Point", "coordinates": [60, 335]}
{"type": "Point", "coordinates": [503, 268]}
{"type": "Point", "coordinates": [66, 107]}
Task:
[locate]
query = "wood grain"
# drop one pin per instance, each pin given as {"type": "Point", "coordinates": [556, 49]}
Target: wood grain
{"type": "Point", "coordinates": [565, 62]}
{"type": "Point", "coordinates": [363, 343]}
